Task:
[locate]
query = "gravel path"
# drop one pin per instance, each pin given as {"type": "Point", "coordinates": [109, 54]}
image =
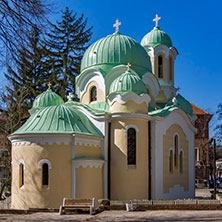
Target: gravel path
{"type": "Point", "coordinates": [117, 216]}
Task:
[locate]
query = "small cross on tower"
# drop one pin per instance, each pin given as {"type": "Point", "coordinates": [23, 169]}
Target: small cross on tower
{"type": "Point", "coordinates": [128, 66]}
{"type": "Point", "coordinates": [49, 85]}
{"type": "Point", "coordinates": [70, 97]}
{"type": "Point", "coordinates": [156, 19]}
{"type": "Point", "coordinates": [116, 25]}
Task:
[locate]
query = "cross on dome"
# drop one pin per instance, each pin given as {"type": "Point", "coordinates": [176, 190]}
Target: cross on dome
{"type": "Point", "coordinates": [116, 25]}
{"type": "Point", "coordinates": [49, 85]}
{"type": "Point", "coordinates": [70, 97]}
{"type": "Point", "coordinates": [156, 19]}
{"type": "Point", "coordinates": [128, 66]}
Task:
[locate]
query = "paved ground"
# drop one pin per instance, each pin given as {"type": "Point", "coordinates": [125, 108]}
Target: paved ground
{"type": "Point", "coordinates": [118, 216]}
{"type": "Point", "coordinates": [203, 193]}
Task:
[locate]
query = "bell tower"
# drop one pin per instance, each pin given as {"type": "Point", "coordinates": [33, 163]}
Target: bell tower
{"type": "Point", "coordinates": [162, 55]}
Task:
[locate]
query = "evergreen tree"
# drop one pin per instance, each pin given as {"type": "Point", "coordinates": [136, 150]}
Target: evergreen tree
{"type": "Point", "coordinates": [66, 44]}
{"type": "Point", "coordinates": [29, 74]}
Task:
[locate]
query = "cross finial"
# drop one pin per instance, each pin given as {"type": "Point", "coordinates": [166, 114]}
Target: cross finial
{"type": "Point", "coordinates": [128, 66]}
{"type": "Point", "coordinates": [70, 97]}
{"type": "Point", "coordinates": [116, 25]}
{"type": "Point", "coordinates": [156, 19]}
{"type": "Point", "coordinates": [49, 85]}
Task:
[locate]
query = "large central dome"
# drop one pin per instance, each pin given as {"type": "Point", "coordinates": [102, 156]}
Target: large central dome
{"type": "Point", "coordinates": [114, 50]}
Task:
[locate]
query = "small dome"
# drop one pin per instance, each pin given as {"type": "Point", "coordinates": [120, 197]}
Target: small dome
{"type": "Point", "coordinates": [58, 119]}
{"type": "Point", "coordinates": [114, 50]}
{"type": "Point", "coordinates": [128, 82]}
{"type": "Point", "coordinates": [47, 98]}
{"type": "Point", "coordinates": [156, 37]}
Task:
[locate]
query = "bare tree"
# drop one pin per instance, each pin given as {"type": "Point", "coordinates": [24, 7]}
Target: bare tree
{"type": "Point", "coordinates": [17, 17]}
{"type": "Point", "coordinates": [11, 118]}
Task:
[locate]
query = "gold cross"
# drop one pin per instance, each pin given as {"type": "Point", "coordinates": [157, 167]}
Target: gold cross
{"type": "Point", "coordinates": [156, 19]}
{"type": "Point", "coordinates": [128, 66]}
{"type": "Point", "coordinates": [49, 85]}
{"type": "Point", "coordinates": [116, 25]}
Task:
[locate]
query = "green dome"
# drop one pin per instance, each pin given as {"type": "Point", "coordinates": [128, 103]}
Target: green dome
{"type": "Point", "coordinates": [114, 50]}
{"type": "Point", "coordinates": [47, 98]}
{"type": "Point", "coordinates": [58, 119]}
{"type": "Point", "coordinates": [156, 37]}
{"type": "Point", "coordinates": [128, 82]}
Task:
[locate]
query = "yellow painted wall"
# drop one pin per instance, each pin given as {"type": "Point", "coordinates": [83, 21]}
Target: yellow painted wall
{"type": "Point", "coordinates": [89, 182]}
{"type": "Point", "coordinates": [86, 96]}
{"type": "Point", "coordinates": [32, 193]}
{"type": "Point", "coordinates": [171, 179]}
{"type": "Point", "coordinates": [82, 150]}
{"type": "Point", "coordinates": [129, 182]}
{"type": "Point", "coordinates": [128, 107]}
{"type": "Point", "coordinates": [166, 67]}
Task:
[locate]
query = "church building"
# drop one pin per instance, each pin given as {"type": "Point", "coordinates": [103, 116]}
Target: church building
{"type": "Point", "coordinates": [131, 136]}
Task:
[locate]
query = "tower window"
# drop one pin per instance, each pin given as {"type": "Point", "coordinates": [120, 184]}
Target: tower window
{"type": "Point", "coordinates": [131, 146]}
{"type": "Point", "coordinates": [93, 94]}
{"type": "Point", "coordinates": [176, 151]}
{"type": "Point", "coordinates": [45, 174]}
{"type": "Point", "coordinates": [160, 67]}
{"type": "Point", "coordinates": [21, 175]}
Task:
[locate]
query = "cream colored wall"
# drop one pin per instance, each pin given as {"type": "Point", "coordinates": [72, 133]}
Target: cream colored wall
{"type": "Point", "coordinates": [128, 182]}
{"type": "Point", "coordinates": [32, 194]}
{"type": "Point", "coordinates": [86, 96]}
{"type": "Point", "coordinates": [128, 107]}
{"type": "Point", "coordinates": [89, 182]}
{"type": "Point", "coordinates": [82, 150]}
{"type": "Point", "coordinates": [176, 177]}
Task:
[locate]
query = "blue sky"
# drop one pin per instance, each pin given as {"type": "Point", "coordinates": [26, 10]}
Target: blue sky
{"type": "Point", "coordinates": [194, 27]}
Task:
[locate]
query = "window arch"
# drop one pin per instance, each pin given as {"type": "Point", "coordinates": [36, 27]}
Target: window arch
{"type": "Point", "coordinates": [160, 67]}
{"type": "Point", "coordinates": [93, 94]}
{"type": "Point", "coordinates": [21, 174]}
{"type": "Point", "coordinates": [171, 161]}
{"type": "Point", "coordinates": [131, 146]}
{"type": "Point", "coordinates": [176, 150]}
{"type": "Point", "coordinates": [45, 174]}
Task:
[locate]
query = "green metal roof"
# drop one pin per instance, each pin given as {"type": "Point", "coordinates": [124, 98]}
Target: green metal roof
{"type": "Point", "coordinates": [179, 103]}
{"type": "Point", "coordinates": [87, 158]}
{"type": "Point", "coordinates": [58, 119]}
{"type": "Point", "coordinates": [114, 50]}
{"type": "Point", "coordinates": [128, 82]}
{"type": "Point", "coordinates": [47, 98]}
{"type": "Point", "coordinates": [100, 106]}
{"type": "Point", "coordinates": [156, 37]}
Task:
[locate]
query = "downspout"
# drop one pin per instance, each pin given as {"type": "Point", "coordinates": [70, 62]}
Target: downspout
{"type": "Point", "coordinates": [149, 160]}
{"type": "Point", "coordinates": [73, 168]}
{"type": "Point", "coordinates": [109, 152]}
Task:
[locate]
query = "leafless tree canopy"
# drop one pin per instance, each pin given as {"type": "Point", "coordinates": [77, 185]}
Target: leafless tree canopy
{"type": "Point", "coordinates": [17, 17]}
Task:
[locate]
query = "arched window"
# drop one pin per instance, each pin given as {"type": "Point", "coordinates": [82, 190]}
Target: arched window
{"type": "Point", "coordinates": [176, 150]}
{"type": "Point", "coordinates": [45, 174]}
{"type": "Point", "coordinates": [131, 146]}
{"type": "Point", "coordinates": [171, 161]}
{"type": "Point", "coordinates": [160, 67]}
{"type": "Point", "coordinates": [21, 175]}
{"type": "Point", "coordinates": [93, 94]}
{"type": "Point", "coordinates": [171, 68]}
{"type": "Point", "coordinates": [181, 162]}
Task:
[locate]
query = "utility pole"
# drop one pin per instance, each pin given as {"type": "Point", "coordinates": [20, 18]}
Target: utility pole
{"type": "Point", "coordinates": [214, 169]}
